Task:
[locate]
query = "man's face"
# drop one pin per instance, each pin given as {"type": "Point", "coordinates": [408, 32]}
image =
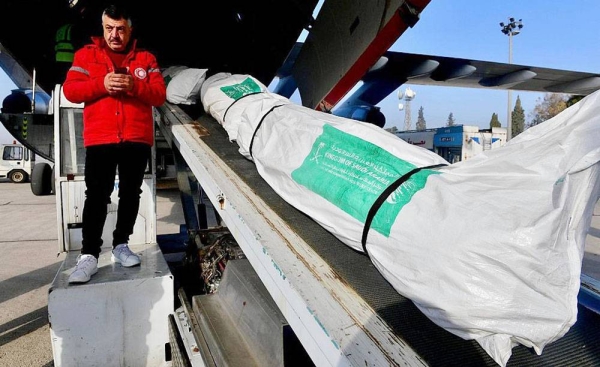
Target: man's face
{"type": "Point", "coordinates": [116, 33]}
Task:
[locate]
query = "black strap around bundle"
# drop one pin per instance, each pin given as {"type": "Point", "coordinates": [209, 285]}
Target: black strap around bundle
{"type": "Point", "coordinates": [384, 195]}
{"type": "Point", "coordinates": [258, 126]}
{"type": "Point", "coordinates": [234, 102]}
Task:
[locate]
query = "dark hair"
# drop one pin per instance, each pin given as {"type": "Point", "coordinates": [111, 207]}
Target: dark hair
{"type": "Point", "coordinates": [117, 12]}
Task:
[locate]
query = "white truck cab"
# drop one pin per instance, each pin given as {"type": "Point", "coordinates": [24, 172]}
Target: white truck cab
{"type": "Point", "coordinates": [16, 162]}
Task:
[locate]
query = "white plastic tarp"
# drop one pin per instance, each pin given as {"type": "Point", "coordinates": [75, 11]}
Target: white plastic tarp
{"type": "Point", "coordinates": [489, 249]}
{"type": "Point", "coordinates": [183, 84]}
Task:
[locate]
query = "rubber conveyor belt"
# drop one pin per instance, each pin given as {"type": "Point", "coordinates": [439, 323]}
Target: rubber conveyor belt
{"type": "Point", "coordinates": [436, 346]}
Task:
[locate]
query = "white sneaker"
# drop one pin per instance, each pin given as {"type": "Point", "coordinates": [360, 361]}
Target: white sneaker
{"type": "Point", "coordinates": [87, 265]}
{"type": "Point", "coordinates": [124, 256]}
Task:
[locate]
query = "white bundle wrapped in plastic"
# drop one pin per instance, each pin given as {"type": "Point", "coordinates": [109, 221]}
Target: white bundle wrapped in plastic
{"type": "Point", "coordinates": [489, 249]}
{"type": "Point", "coordinates": [234, 87]}
{"type": "Point", "coordinates": [183, 84]}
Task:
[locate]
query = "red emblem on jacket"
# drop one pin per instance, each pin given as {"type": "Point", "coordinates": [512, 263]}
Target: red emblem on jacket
{"type": "Point", "coordinates": [140, 73]}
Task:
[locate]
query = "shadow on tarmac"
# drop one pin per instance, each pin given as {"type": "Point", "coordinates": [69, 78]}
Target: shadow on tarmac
{"type": "Point", "coordinates": [17, 286]}
{"type": "Point", "coordinates": [21, 326]}
{"type": "Point", "coordinates": [23, 283]}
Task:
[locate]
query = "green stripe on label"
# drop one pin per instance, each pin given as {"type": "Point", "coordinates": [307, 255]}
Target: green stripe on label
{"type": "Point", "coordinates": [351, 173]}
{"type": "Point", "coordinates": [237, 91]}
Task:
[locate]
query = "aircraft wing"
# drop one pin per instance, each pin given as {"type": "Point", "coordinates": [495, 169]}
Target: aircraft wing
{"type": "Point", "coordinates": [397, 68]}
{"type": "Point", "coordinates": [14, 70]}
{"type": "Point", "coordinates": [346, 39]}
{"type": "Point", "coordinates": [245, 37]}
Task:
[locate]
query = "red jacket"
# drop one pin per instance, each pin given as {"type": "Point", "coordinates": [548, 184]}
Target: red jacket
{"type": "Point", "coordinates": [113, 119]}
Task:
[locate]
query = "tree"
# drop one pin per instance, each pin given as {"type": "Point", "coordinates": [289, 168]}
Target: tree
{"type": "Point", "coordinates": [494, 122]}
{"type": "Point", "coordinates": [517, 118]}
{"type": "Point", "coordinates": [392, 129]}
{"type": "Point", "coordinates": [573, 99]}
{"type": "Point", "coordinates": [451, 121]}
{"type": "Point", "coordinates": [551, 105]}
{"type": "Point", "coordinates": [421, 123]}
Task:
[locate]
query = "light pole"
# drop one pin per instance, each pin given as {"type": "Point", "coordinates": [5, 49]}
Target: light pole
{"type": "Point", "coordinates": [511, 29]}
{"type": "Point", "coordinates": [408, 96]}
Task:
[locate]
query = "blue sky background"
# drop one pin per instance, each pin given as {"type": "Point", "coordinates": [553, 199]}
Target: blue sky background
{"type": "Point", "coordinates": [556, 34]}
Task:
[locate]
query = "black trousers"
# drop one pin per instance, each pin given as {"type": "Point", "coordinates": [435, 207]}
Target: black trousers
{"type": "Point", "coordinates": [102, 163]}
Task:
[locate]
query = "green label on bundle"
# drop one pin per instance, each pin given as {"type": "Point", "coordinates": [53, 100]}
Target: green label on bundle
{"type": "Point", "coordinates": [351, 173]}
{"type": "Point", "coordinates": [237, 91]}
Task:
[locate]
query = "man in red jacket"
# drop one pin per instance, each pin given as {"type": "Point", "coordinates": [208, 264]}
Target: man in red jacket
{"type": "Point", "coordinates": [119, 84]}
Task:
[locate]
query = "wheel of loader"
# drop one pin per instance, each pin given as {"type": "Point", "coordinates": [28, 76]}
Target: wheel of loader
{"type": "Point", "coordinates": [41, 177]}
{"type": "Point", "coordinates": [18, 176]}
{"type": "Point", "coordinates": [52, 182]}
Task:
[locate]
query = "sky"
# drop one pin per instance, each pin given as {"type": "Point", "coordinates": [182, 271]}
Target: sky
{"type": "Point", "coordinates": [556, 34]}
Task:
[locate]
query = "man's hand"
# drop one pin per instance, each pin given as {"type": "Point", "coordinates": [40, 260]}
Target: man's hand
{"type": "Point", "coordinates": [118, 83]}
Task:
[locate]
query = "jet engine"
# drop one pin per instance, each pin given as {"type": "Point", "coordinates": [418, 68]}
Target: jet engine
{"type": "Point", "coordinates": [365, 113]}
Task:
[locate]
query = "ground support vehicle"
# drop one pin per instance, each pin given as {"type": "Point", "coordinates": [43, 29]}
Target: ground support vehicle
{"type": "Point", "coordinates": [339, 306]}
{"type": "Point", "coordinates": [16, 162]}
{"type": "Point", "coordinates": [120, 317]}
{"type": "Point", "coordinates": [248, 280]}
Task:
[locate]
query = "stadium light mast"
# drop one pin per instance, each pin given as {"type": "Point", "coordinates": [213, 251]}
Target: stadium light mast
{"type": "Point", "coordinates": [512, 28]}
{"type": "Point", "coordinates": [407, 96]}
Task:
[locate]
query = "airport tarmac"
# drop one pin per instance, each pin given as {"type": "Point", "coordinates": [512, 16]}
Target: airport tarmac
{"type": "Point", "coordinates": [29, 261]}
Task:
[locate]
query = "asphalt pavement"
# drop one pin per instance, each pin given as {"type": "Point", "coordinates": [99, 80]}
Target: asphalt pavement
{"type": "Point", "coordinates": [29, 260]}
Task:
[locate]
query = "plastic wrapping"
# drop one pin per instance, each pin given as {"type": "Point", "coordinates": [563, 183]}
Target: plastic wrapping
{"type": "Point", "coordinates": [489, 249]}
{"type": "Point", "coordinates": [183, 84]}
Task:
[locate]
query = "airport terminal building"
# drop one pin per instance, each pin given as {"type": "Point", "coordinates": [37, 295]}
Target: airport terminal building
{"type": "Point", "coordinates": [456, 143]}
